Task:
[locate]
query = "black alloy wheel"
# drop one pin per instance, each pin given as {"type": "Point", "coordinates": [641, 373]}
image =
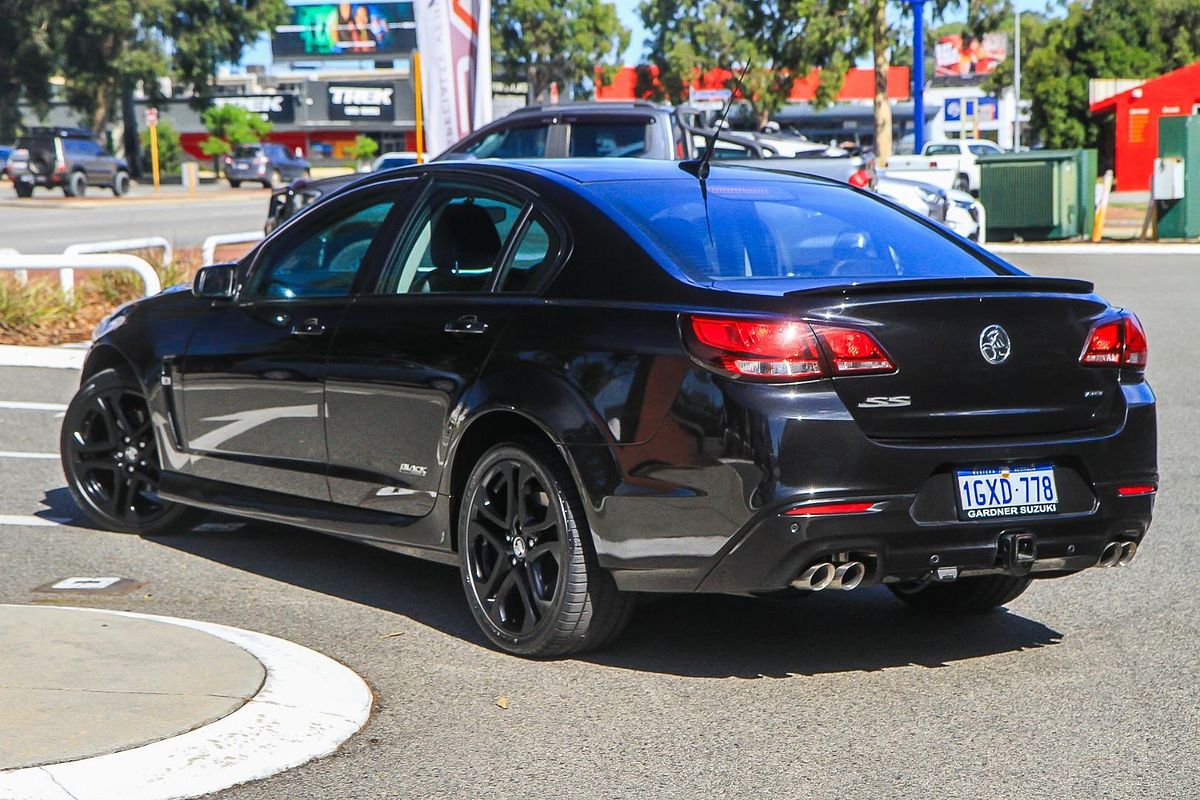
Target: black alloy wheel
{"type": "Point", "coordinates": [527, 567]}
{"type": "Point", "coordinates": [110, 458]}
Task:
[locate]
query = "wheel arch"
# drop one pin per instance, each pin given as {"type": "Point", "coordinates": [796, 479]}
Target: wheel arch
{"type": "Point", "coordinates": [105, 356]}
{"type": "Point", "coordinates": [497, 425]}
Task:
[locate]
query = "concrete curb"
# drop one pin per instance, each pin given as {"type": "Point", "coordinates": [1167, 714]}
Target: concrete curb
{"type": "Point", "coordinates": [1101, 249]}
{"type": "Point", "coordinates": [308, 706]}
{"type": "Point", "coordinates": [52, 357]}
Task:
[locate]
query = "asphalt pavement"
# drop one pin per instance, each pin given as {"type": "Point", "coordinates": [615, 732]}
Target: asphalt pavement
{"type": "Point", "coordinates": [49, 222]}
{"type": "Point", "coordinates": [1085, 687]}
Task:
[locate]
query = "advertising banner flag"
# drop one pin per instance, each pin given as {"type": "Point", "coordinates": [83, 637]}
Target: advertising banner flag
{"type": "Point", "coordinates": [454, 39]}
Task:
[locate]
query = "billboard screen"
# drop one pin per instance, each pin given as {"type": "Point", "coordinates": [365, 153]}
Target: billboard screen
{"type": "Point", "coordinates": [964, 56]}
{"type": "Point", "coordinates": [347, 30]}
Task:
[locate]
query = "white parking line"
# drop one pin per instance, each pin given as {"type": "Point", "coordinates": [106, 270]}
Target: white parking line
{"type": "Point", "coordinates": [21, 454]}
{"type": "Point", "coordinates": [19, 406]}
{"type": "Point", "coordinates": [308, 705]}
{"type": "Point", "coordinates": [31, 521]}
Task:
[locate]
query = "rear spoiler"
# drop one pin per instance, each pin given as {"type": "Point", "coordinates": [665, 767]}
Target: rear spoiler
{"type": "Point", "coordinates": [978, 284]}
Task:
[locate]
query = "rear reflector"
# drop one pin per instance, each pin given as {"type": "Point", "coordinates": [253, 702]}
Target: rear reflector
{"type": "Point", "coordinates": [829, 509]}
{"type": "Point", "coordinates": [783, 350]}
{"type": "Point", "coordinates": [1119, 342]}
{"type": "Point", "coordinates": [1137, 489]}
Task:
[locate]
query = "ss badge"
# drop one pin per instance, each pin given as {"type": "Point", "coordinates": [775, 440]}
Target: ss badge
{"type": "Point", "coordinates": [895, 401]}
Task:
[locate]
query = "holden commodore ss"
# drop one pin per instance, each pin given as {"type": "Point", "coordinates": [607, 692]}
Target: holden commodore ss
{"type": "Point", "coordinates": [583, 380]}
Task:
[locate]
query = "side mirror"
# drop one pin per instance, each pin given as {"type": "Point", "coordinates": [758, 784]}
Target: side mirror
{"type": "Point", "coordinates": [218, 282]}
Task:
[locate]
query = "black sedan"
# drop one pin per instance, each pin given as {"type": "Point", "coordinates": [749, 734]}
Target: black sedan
{"type": "Point", "coordinates": [582, 380]}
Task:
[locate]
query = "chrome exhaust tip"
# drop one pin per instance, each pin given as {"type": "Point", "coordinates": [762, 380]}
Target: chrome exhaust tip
{"type": "Point", "coordinates": [816, 577]}
{"type": "Point", "coordinates": [1111, 555]}
{"type": "Point", "coordinates": [1128, 551]}
{"type": "Point", "coordinates": [848, 576]}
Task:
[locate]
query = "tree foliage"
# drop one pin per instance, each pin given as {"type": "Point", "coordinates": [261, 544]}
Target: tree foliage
{"type": "Point", "coordinates": [26, 60]}
{"type": "Point", "coordinates": [555, 41]}
{"type": "Point", "coordinates": [229, 126]}
{"type": "Point", "coordinates": [782, 39]}
{"type": "Point", "coordinates": [363, 149]}
{"type": "Point", "coordinates": [1102, 39]}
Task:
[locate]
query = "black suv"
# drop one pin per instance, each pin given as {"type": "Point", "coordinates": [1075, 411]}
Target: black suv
{"type": "Point", "coordinates": [70, 158]}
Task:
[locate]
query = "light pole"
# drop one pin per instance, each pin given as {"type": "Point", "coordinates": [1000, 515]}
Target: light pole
{"type": "Point", "coordinates": [918, 74]}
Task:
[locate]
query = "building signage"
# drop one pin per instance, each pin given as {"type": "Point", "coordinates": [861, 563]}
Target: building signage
{"type": "Point", "coordinates": [958, 109]}
{"type": "Point", "coordinates": [278, 108]}
{"type": "Point", "coordinates": [362, 101]}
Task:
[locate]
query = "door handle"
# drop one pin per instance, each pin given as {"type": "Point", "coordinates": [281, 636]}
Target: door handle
{"type": "Point", "coordinates": [310, 327]}
{"type": "Point", "coordinates": [469, 323]}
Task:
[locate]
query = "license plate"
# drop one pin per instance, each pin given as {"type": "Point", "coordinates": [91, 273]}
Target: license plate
{"type": "Point", "coordinates": [242, 165]}
{"type": "Point", "coordinates": [997, 492]}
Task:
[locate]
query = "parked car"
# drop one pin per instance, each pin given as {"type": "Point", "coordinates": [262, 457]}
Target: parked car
{"type": "Point", "coordinates": [394, 159]}
{"type": "Point", "coordinates": [66, 158]}
{"type": "Point", "coordinates": [635, 130]}
{"type": "Point", "coordinates": [5, 152]}
{"type": "Point", "coordinates": [287, 201]}
{"type": "Point", "coordinates": [583, 379]}
{"type": "Point", "coordinates": [268, 164]}
{"type": "Point", "coordinates": [923, 198]}
{"type": "Point", "coordinates": [965, 216]}
{"type": "Point", "coordinates": [955, 158]}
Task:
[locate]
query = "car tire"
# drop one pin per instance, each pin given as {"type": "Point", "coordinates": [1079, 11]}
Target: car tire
{"type": "Point", "coordinates": [234, 184]}
{"type": "Point", "coordinates": [974, 595]}
{"type": "Point", "coordinates": [120, 185]}
{"type": "Point", "coordinates": [110, 459]}
{"type": "Point", "coordinates": [528, 568]}
{"type": "Point", "coordinates": [23, 189]}
{"type": "Point", "coordinates": [76, 185]}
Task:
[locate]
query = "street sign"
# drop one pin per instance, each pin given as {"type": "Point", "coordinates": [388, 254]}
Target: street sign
{"type": "Point", "coordinates": [956, 109]}
{"type": "Point", "coordinates": [151, 116]}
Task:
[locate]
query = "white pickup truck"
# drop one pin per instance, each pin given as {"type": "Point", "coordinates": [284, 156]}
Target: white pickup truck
{"type": "Point", "coordinates": [950, 163]}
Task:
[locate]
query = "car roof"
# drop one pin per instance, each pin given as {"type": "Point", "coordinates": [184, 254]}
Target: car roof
{"type": "Point", "coordinates": [585, 107]}
{"type": "Point", "coordinates": [598, 170]}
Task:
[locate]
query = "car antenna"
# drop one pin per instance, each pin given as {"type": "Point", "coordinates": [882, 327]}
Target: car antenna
{"type": "Point", "coordinates": [699, 166]}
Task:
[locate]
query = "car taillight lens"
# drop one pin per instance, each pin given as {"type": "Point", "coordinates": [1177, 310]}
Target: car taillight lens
{"type": "Point", "coordinates": [1119, 342]}
{"type": "Point", "coordinates": [830, 509]}
{"type": "Point", "coordinates": [853, 352]}
{"type": "Point", "coordinates": [860, 179]}
{"type": "Point", "coordinates": [784, 350]}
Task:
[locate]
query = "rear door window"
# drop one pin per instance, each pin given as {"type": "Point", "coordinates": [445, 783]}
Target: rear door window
{"type": "Point", "coordinates": [601, 139]}
{"type": "Point", "coordinates": [524, 142]}
{"type": "Point", "coordinates": [533, 257]}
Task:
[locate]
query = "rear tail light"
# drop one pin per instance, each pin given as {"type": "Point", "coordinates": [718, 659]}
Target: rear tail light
{"type": "Point", "coordinates": [1117, 342]}
{"type": "Point", "coordinates": [830, 509]}
{"type": "Point", "coordinates": [783, 350]}
{"type": "Point", "coordinates": [860, 179]}
{"type": "Point", "coordinates": [933, 165]}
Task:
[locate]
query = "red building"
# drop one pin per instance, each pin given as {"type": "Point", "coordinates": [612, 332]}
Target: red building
{"type": "Point", "coordinates": [858, 85]}
{"type": "Point", "coordinates": [1131, 123]}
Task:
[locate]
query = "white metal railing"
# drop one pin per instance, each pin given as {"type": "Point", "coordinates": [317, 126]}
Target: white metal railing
{"type": "Point", "coordinates": [69, 263]}
{"type": "Point", "coordinates": [66, 276]}
{"type": "Point", "coordinates": [209, 249]}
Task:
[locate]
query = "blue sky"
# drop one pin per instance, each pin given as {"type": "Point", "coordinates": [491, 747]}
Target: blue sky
{"type": "Point", "coordinates": [627, 10]}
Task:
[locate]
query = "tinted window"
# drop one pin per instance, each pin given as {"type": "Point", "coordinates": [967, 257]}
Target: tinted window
{"type": "Point", "coordinates": [320, 261]}
{"type": "Point", "coordinates": [983, 149]}
{"type": "Point", "coordinates": [82, 147]}
{"type": "Point", "coordinates": [783, 229]}
{"type": "Point", "coordinates": [511, 143]}
{"type": "Point", "coordinates": [244, 151]}
{"type": "Point", "coordinates": [454, 245]}
{"type": "Point", "coordinates": [942, 150]}
{"type": "Point", "coordinates": [608, 139]}
{"type": "Point", "coordinates": [532, 258]}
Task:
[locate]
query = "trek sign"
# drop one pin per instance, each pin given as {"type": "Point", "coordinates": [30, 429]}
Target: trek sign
{"type": "Point", "coordinates": [359, 101]}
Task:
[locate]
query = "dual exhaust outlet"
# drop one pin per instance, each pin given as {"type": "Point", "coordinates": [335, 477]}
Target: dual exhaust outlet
{"type": "Point", "coordinates": [1117, 554]}
{"type": "Point", "coordinates": [827, 575]}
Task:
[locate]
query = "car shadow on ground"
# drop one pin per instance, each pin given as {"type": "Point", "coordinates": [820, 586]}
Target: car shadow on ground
{"type": "Point", "coordinates": [699, 636]}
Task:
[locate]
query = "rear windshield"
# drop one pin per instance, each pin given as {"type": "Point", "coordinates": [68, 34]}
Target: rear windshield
{"type": "Point", "coordinates": [784, 229]}
{"type": "Point", "coordinates": [527, 142]}
{"type": "Point", "coordinates": [247, 152]}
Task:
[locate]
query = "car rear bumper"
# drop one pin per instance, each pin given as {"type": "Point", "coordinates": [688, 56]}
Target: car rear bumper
{"type": "Point", "coordinates": [721, 525]}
